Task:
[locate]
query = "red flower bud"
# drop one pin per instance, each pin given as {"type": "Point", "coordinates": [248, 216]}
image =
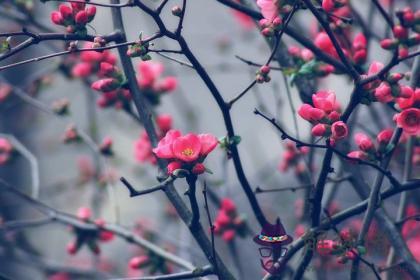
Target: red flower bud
{"type": "Point", "coordinates": [400, 32]}
{"type": "Point", "coordinates": [91, 12]}
{"type": "Point", "coordinates": [57, 18]}
{"type": "Point", "coordinates": [172, 166]}
{"type": "Point", "coordinates": [198, 168]}
{"type": "Point", "coordinates": [139, 262]}
{"type": "Point", "coordinates": [228, 235]}
{"type": "Point", "coordinates": [65, 11]}
{"type": "Point", "coordinates": [265, 69]}
{"type": "Point", "coordinates": [388, 44]}
{"type": "Point", "coordinates": [81, 18]}
{"type": "Point", "coordinates": [319, 130]}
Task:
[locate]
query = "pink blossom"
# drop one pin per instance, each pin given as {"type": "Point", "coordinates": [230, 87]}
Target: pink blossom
{"type": "Point", "coordinates": [139, 262]}
{"type": "Point", "coordinates": [164, 148]}
{"type": "Point", "coordinates": [409, 120]}
{"type": "Point", "coordinates": [187, 148]}
{"type": "Point", "coordinates": [268, 8]}
{"type": "Point", "coordinates": [324, 100]}
{"type": "Point", "coordinates": [105, 85]}
{"type": "Point", "coordinates": [208, 143]}
{"type": "Point", "coordinates": [149, 72]}
{"type": "Point", "coordinates": [65, 11]}
{"type": "Point", "coordinates": [310, 113]}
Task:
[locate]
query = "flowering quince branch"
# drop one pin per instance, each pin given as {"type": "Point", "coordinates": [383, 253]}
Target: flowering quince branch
{"type": "Point", "coordinates": [158, 187]}
{"type": "Point", "coordinates": [350, 68]}
{"type": "Point", "coordinates": [145, 116]}
{"type": "Point", "coordinates": [29, 156]}
{"type": "Point", "coordinates": [291, 32]}
{"type": "Point", "coordinates": [206, 207]}
{"type": "Point", "coordinates": [87, 225]}
{"type": "Point", "coordinates": [77, 50]}
{"type": "Point", "coordinates": [128, 3]}
{"type": "Point", "coordinates": [265, 69]}
{"type": "Point", "coordinates": [38, 38]}
{"type": "Point", "coordinates": [374, 197]}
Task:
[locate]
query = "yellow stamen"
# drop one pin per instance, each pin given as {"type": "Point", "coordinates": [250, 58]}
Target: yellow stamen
{"type": "Point", "coordinates": [188, 152]}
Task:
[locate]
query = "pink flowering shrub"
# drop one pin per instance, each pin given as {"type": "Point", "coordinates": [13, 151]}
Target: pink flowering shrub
{"type": "Point", "coordinates": [341, 195]}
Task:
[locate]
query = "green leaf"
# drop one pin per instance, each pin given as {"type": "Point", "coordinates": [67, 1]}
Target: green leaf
{"type": "Point", "coordinates": [361, 249]}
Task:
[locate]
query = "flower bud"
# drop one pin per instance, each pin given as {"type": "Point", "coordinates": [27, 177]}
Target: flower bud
{"type": "Point", "coordinates": [319, 130]}
{"type": "Point", "coordinates": [198, 168]}
{"type": "Point", "coordinates": [81, 18]}
{"type": "Point", "coordinates": [57, 18]}
{"type": "Point", "coordinates": [65, 11]}
{"type": "Point", "coordinates": [176, 11]}
{"type": "Point", "coordinates": [339, 130]}
{"type": "Point", "coordinates": [400, 32]}
{"type": "Point", "coordinates": [172, 166]}
{"type": "Point", "coordinates": [139, 262]}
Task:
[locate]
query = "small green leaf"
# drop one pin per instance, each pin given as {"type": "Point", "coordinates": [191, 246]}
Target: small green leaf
{"type": "Point", "coordinates": [361, 249]}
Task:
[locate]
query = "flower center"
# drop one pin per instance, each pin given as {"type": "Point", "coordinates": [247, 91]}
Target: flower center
{"type": "Point", "coordinates": [412, 119]}
{"type": "Point", "coordinates": [188, 152]}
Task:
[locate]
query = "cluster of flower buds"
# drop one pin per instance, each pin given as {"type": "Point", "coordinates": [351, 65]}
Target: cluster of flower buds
{"type": "Point", "coordinates": [293, 157]}
{"type": "Point", "coordinates": [270, 27]}
{"type": "Point", "coordinates": [90, 60]}
{"type": "Point", "coordinates": [402, 38]}
{"type": "Point", "coordinates": [262, 74]}
{"type": "Point", "coordinates": [6, 150]}
{"type": "Point", "coordinates": [71, 135]}
{"type": "Point", "coordinates": [143, 147]}
{"type": "Point", "coordinates": [111, 87]}
{"type": "Point", "coordinates": [367, 149]}
{"type": "Point", "coordinates": [228, 223]}
{"type": "Point", "coordinates": [146, 259]}
{"type": "Point", "coordinates": [139, 49]}
{"type": "Point", "coordinates": [344, 249]}
{"type": "Point", "coordinates": [149, 81]}
{"type": "Point", "coordinates": [359, 48]}
{"type": "Point", "coordinates": [307, 65]}
{"type": "Point", "coordinates": [390, 89]}
{"type": "Point", "coordinates": [74, 17]}
{"type": "Point", "coordinates": [90, 238]}
{"type": "Point", "coordinates": [185, 153]}
{"type": "Point", "coordinates": [324, 116]}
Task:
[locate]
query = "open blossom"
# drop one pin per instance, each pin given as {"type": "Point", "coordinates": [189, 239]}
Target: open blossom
{"type": "Point", "coordinates": [189, 149]}
{"type": "Point", "coordinates": [269, 8]}
{"type": "Point", "coordinates": [409, 120]}
{"type": "Point", "coordinates": [339, 130]}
